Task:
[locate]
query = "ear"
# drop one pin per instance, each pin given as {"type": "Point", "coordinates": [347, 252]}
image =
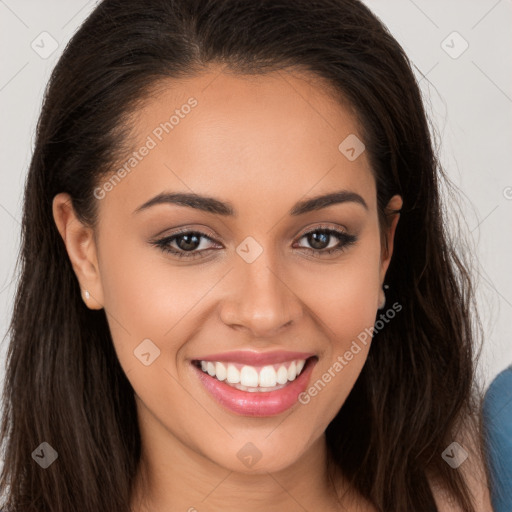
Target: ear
{"type": "Point", "coordinates": [81, 248]}
{"type": "Point", "coordinates": [395, 203]}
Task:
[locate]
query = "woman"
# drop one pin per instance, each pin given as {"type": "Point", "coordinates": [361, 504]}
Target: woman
{"type": "Point", "coordinates": [236, 288]}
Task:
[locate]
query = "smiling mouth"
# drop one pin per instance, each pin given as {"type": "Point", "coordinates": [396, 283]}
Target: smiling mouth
{"type": "Point", "coordinates": [250, 378]}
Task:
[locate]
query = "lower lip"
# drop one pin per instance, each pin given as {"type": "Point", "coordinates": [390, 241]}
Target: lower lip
{"type": "Point", "coordinates": [257, 403]}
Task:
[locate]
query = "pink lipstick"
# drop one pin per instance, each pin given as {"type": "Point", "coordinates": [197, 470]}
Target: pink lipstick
{"type": "Point", "coordinates": [255, 384]}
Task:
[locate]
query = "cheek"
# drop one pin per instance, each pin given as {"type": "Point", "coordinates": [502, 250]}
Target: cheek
{"type": "Point", "coordinates": [148, 303]}
{"type": "Point", "coordinates": [141, 299]}
{"type": "Point", "coordinates": [345, 295]}
{"type": "Point", "coordinates": [144, 291]}
{"type": "Point", "coordinates": [345, 302]}
{"type": "Point", "coordinates": [150, 297]}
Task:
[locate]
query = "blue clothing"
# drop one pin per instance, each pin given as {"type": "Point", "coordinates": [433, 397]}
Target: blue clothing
{"type": "Point", "coordinates": [497, 415]}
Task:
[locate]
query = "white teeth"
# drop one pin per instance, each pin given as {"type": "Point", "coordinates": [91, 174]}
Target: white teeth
{"type": "Point", "coordinates": [282, 375]}
{"type": "Point", "coordinates": [292, 371]}
{"type": "Point", "coordinates": [258, 389]}
{"type": "Point", "coordinates": [248, 378]}
{"type": "Point", "coordinates": [210, 368]}
{"type": "Point", "coordinates": [233, 375]}
{"type": "Point", "coordinates": [220, 371]}
{"type": "Point", "coordinates": [268, 377]}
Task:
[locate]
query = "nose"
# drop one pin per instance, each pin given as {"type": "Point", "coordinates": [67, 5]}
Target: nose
{"type": "Point", "coordinates": [259, 299]}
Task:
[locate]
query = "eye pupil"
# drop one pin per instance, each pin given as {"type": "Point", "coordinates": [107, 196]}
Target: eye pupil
{"type": "Point", "coordinates": [189, 245]}
{"type": "Point", "coordinates": [318, 239]}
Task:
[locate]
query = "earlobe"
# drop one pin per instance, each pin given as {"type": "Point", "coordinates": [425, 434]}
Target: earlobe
{"type": "Point", "coordinates": [81, 248]}
{"type": "Point", "coordinates": [394, 204]}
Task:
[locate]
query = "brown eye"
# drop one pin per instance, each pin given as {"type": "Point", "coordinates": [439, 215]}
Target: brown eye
{"type": "Point", "coordinates": [186, 244]}
{"type": "Point", "coordinates": [320, 240]}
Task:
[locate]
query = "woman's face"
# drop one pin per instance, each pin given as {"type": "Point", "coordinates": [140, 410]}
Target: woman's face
{"type": "Point", "coordinates": [259, 148]}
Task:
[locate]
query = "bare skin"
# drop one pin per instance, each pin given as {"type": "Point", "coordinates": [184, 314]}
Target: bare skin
{"type": "Point", "coordinates": [262, 144]}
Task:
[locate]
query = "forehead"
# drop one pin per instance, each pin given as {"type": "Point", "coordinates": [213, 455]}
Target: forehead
{"type": "Point", "coordinates": [257, 138]}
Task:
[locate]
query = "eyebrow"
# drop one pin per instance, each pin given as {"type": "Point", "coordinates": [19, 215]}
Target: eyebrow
{"type": "Point", "coordinates": [218, 207]}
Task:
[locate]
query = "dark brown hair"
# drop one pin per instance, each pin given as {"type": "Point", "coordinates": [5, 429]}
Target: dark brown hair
{"type": "Point", "coordinates": [64, 384]}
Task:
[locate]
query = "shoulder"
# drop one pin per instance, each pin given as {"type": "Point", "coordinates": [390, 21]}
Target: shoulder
{"type": "Point", "coordinates": [497, 421]}
{"type": "Point", "coordinates": [497, 411]}
{"type": "Point", "coordinates": [499, 394]}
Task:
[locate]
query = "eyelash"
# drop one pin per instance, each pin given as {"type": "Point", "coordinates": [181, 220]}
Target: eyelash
{"type": "Point", "coordinates": [346, 240]}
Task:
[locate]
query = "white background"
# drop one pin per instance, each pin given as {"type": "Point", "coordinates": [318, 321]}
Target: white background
{"type": "Point", "coordinates": [469, 99]}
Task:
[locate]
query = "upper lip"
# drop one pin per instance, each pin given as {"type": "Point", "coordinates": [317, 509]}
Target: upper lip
{"type": "Point", "coordinates": [253, 358]}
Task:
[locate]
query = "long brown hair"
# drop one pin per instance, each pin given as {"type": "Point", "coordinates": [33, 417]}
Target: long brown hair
{"type": "Point", "coordinates": [64, 385]}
